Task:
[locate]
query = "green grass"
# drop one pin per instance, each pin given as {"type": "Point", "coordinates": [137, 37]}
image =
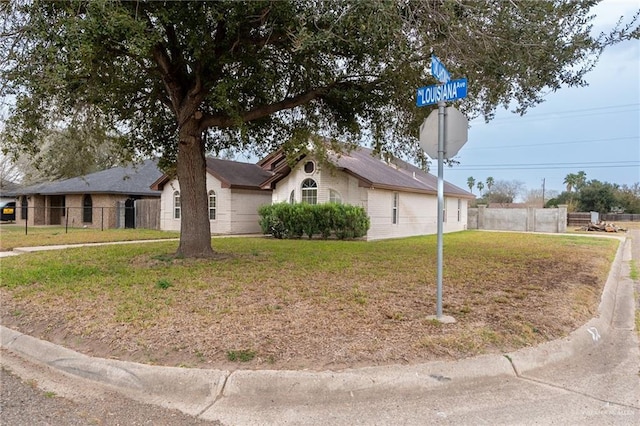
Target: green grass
{"type": "Point", "coordinates": [306, 268]}
{"type": "Point", "coordinates": [633, 273]}
{"type": "Point", "coordinates": [12, 236]}
{"type": "Point", "coordinates": [501, 287]}
{"type": "Point", "coordinates": [244, 355]}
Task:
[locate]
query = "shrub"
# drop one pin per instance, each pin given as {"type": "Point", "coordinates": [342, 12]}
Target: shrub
{"type": "Point", "coordinates": [272, 220]}
{"type": "Point", "coordinates": [285, 220]}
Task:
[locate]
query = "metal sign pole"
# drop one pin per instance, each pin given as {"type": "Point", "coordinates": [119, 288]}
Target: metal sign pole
{"type": "Point", "coordinates": [446, 146]}
{"type": "Point", "coordinates": [442, 117]}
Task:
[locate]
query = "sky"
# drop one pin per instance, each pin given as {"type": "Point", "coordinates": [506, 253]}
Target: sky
{"type": "Point", "coordinates": [595, 129]}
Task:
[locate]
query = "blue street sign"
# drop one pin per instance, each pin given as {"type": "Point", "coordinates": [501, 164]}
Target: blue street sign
{"type": "Point", "coordinates": [454, 89]}
{"type": "Point", "coordinates": [438, 70]}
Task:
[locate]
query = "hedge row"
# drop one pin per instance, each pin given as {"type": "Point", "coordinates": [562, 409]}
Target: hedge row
{"type": "Point", "coordinates": [284, 220]}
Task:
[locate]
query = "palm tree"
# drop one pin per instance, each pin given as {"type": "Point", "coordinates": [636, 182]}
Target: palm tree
{"type": "Point", "coordinates": [480, 187]}
{"type": "Point", "coordinates": [571, 180]}
{"type": "Point", "coordinates": [490, 183]}
{"type": "Point", "coordinates": [471, 182]}
{"type": "Point", "coordinates": [581, 180]}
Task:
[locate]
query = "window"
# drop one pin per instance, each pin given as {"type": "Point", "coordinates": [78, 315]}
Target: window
{"type": "Point", "coordinates": [444, 211]}
{"type": "Point", "coordinates": [176, 205]}
{"type": "Point", "coordinates": [309, 191]}
{"type": "Point", "coordinates": [459, 210]}
{"type": "Point", "coordinates": [334, 197]}
{"type": "Point", "coordinates": [309, 167]}
{"type": "Point", "coordinates": [292, 197]}
{"type": "Point", "coordinates": [395, 208]}
{"type": "Point", "coordinates": [212, 205]}
{"type": "Point", "coordinates": [87, 209]}
{"type": "Point", "coordinates": [24, 207]}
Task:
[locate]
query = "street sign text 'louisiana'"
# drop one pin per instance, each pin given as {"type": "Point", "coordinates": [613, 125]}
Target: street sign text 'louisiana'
{"type": "Point", "coordinates": [454, 89]}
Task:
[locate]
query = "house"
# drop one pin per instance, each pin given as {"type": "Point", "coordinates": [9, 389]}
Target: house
{"type": "Point", "coordinates": [400, 198]}
{"type": "Point", "coordinates": [234, 192]}
{"type": "Point", "coordinates": [104, 199]}
{"type": "Point", "coordinates": [7, 192]}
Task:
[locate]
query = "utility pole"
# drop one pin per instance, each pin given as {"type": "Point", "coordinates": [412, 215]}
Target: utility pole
{"type": "Point", "coordinates": [543, 182]}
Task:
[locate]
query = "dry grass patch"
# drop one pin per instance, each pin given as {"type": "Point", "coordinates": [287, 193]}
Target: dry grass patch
{"type": "Point", "coordinates": [308, 304]}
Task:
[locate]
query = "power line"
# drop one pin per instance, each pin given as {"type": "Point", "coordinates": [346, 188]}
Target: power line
{"type": "Point", "coordinates": [551, 143]}
{"type": "Point", "coordinates": [548, 166]}
{"type": "Point", "coordinates": [561, 164]}
{"type": "Point", "coordinates": [555, 114]}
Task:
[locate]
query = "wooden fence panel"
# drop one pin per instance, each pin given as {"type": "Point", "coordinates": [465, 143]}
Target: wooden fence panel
{"type": "Point", "coordinates": [148, 214]}
{"type": "Point", "coordinates": [621, 217]}
{"type": "Point", "coordinates": [578, 218]}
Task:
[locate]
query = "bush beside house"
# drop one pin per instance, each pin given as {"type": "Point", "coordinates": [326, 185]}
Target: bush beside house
{"type": "Point", "coordinates": [284, 220]}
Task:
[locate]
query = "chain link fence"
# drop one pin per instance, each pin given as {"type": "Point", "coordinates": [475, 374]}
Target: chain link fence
{"type": "Point", "coordinates": [139, 214]}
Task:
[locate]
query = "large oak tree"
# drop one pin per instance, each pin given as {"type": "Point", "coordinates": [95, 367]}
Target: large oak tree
{"type": "Point", "coordinates": [180, 79]}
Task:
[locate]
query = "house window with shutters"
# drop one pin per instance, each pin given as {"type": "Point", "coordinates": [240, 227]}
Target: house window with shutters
{"type": "Point", "coordinates": [444, 211]}
{"type": "Point", "coordinates": [212, 205]}
{"type": "Point", "coordinates": [395, 210]}
{"type": "Point", "coordinates": [176, 205]}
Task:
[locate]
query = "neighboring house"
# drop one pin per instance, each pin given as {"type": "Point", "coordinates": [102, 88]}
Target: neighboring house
{"type": "Point", "coordinates": [400, 198]}
{"type": "Point", "coordinates": [234, 192]}
{"type": "Point", "coordinates": [104, 199]}
{"type": "Point", "coordinates": [7, 191]}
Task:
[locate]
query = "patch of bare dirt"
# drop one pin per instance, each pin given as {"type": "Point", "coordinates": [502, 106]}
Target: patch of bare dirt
{"type": "Point", "coordinates": [325, 322]}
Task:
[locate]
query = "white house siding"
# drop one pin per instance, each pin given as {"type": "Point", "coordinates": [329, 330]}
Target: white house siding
{"type": "Point", "coordinates": [243, 216]}
{"type": "Point", "coordinates": [347, 186]}
{"type": "Point", "coordinates": [222, 223]}
{"type": "Point", "coordinates": [418, 214]}
{"type": "Point", "coordinates": [167, 222]}
{"type": "Point", "coordinates": [236, 210]}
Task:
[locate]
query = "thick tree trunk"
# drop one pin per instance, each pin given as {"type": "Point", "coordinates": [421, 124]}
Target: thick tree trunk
{"type": "Point", "coordinates": [195, 234]}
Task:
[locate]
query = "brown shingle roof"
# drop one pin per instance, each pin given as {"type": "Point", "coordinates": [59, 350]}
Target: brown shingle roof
{"type": "Point", "coordinates": [232, 174]}
{"type": "Point", "coordinates": [371, 171]}
{"type": "Point", "coordinates": [396, 175]}
{"type": "Point", "coordinates": [237, 175]}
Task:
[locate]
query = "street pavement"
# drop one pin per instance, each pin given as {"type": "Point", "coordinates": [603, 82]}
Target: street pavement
{"type": "Point", "coordinates": [589, 378]}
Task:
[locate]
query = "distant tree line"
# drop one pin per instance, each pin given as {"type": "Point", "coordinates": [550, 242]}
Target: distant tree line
{"type": "Point", "coordinates": [593, 195]}
{"type": "Point", "coordinates": [580, 194]}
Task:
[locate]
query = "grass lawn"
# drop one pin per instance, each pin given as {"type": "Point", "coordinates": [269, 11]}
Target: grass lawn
{"type": "Point", "coordinates": [12, 236]}
{"type": "Point", "coordinates": [265, 303]}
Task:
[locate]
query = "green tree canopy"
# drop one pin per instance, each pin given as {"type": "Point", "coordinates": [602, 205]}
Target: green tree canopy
{"type": "Point", "coordinates": [628, 198]}
{"type": "Point", "coordinates": [596, 196]}
{"type": "Point", "coordinates": [75, 147]}
{"type": "Point", "coordinates": [180, 79]}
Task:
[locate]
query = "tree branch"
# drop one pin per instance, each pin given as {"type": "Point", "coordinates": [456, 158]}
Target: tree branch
{"type": "Point", "coordinates": [262, 111]}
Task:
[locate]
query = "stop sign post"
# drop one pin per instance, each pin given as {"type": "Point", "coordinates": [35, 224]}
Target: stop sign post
{"type": "Point", "coordinates": [451, 136]}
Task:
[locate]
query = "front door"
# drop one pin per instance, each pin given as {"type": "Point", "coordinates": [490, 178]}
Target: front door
{"type": "Point", "coordinates": [56, 209]}
{"type": "Point", "coordinates": [129, 213]}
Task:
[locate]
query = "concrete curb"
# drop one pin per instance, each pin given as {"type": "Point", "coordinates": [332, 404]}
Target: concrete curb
{"type": "Point", "coordinates": [188, 390]}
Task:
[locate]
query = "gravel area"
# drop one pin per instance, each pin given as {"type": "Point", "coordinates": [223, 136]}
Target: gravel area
{"type": "Point", "coordinates": [45, 397]}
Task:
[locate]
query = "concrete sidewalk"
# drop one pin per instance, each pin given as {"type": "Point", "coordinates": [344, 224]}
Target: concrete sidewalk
{"type": "Point", "coordinates": [590, 377]}
{"type": "Point", "coordinates": [20, 250]}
